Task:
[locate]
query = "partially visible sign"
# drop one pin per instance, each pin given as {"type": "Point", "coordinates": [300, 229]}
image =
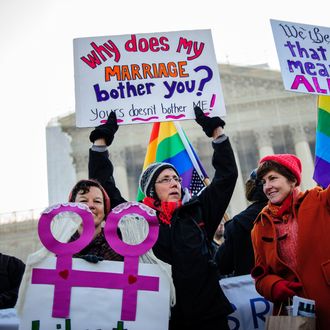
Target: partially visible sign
{"type": "Point", "coordinates": [96, 308]}
{"type": "Point", "coordinates": [304, 55]}
{"type": "Point", "coordinates": [250, 308]}
{"type": "Point", "coordinates": [8, 319]}
{"type": "Point", "coordinates": [76, 294]}
{"type": "Point", "coordinates": [146, 77]}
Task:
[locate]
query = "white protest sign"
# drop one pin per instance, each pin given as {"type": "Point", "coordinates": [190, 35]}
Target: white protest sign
{"type": "Point", "coordinates": [8, 319]}
{"type": "Point", "coordinates": [304, 55]}
{"type": "Point", "coordinates": [250, 308]}
{"type": "Point", "coordinates": [76, 294]}
{"type": "Point", "coordinates": [96, 308]}
{"type": "Point", "coordinates": [146, 77]}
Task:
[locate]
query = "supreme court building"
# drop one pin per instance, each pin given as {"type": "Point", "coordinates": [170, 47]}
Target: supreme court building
{"type": "Point", "coordinates": [262, 118]}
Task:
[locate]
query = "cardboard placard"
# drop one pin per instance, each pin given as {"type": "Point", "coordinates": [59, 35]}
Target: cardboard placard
{"type": "Point", "coordinates": [146, 77]}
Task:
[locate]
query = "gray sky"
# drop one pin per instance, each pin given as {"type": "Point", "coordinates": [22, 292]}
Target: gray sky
{"type": "Point", "coordinates": [36, 63]}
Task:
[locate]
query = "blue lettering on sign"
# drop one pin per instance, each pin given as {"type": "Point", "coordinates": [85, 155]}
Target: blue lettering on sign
{"type": "Point", "coordinates": [259, 309]}
{"type": "Point", "coordinates": [234, 319]}
{"type": "Point", "coordinates": [260, 314]}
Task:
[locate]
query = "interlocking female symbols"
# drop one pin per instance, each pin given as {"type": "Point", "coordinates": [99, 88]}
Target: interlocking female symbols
{"type": "Point", "coordinates": [63, 277]}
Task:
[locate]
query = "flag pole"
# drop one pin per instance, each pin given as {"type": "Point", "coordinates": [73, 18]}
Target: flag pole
{"type": "Point", "coordinates": [191, 154]}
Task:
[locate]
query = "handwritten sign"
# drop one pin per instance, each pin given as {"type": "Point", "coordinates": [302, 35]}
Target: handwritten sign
{"type": "Point", "coordinates": [79, 295]}
{"type": "Point", "coordinates": [146, 77]}
{"type": "Point", "coordinates": [304, 56]}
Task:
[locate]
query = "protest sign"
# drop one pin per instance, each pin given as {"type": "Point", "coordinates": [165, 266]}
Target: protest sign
{"type": "Point", "coordinates": [303, 52]}
{"type": "Point", "coordinates": [96, 308]}
{"type": "Point", "coordinates": [8, 319]}
{"type": "Point", "coordinates": [250, 309]}
{"type": "Point", "coordinates": [146, 77]}
{"type": "Point", "coordinates": [70, 293]}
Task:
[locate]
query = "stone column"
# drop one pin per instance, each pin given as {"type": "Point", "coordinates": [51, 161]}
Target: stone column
{"type": "Point", "coordinates": [264, 142]}
{"type": "Point", "coordinates": [80, 162]}
{"type": "Point", "coordinates": [79, 150]}
{"type": "Point", "coordinates": [120, 173]}
{"type": "Point", "coordinates": [304, 153]}
{"type": "Point", "coordinates": [238, 202]}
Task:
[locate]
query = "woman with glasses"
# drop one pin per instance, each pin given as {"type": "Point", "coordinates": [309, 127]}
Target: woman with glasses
{"type": "Point", "coordinates": [187, 226]}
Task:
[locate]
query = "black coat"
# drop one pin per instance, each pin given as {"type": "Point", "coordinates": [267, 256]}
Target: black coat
{"type": "Point", "coordinates": [11, 272]}
{"type": "Point", "coordinates": [184, 245]}
{"type": "Point", "coordinates": [235, 255]}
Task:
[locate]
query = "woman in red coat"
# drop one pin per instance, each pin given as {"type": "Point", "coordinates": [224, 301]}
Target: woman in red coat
{"type": "Point", "coordinates": [291, 238]}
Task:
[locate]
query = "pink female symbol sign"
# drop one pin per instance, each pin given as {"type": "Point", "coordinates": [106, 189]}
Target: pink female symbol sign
{"type": "Point", "coordinates": [55, 246]}
{"type": "Point", "coordinates": [131, 254]}
{"type": "Point", "coordinates": [112, 223]}
{"type": "Point", "coordinates": [63, 278]}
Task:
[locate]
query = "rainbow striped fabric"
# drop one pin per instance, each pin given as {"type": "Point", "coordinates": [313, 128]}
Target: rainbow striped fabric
{"type": "Point", "coordinates": [167, 144]}
{"type": "Point", "coordinates": [322, 145]}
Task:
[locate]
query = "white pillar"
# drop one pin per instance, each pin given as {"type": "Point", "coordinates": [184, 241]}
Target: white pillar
{"type": "Point", "coordinates": [238, 201]}
{"type": "Point", "coordinates": [120, 173]}
{"type": "Point", "coordinates": [264, 142]}
{"type": "Point", "coordinates": [303, 151]}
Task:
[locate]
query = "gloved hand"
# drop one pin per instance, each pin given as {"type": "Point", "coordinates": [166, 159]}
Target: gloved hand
{"type": "Point", "coordinates": [91, 258]}
{"type": "Point", "coordinates": [209, 124]}
{"type": "Point", "coordinates": [283, 290]}
{"type": "Point", "coordinates": [106, 131]}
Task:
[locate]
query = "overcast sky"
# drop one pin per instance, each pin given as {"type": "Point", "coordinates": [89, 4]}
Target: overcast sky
{"type": "Point", "coordinates": [36, 63]}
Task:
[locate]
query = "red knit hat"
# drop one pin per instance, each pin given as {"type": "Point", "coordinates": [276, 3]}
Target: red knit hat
{"type": "Point", "coordinates": [291, 162]}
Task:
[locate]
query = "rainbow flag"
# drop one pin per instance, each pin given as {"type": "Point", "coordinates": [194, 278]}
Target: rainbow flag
{"type": "Point", "coordinates": [322, 145]}
{"type": "Point", "coordinates": [168, 143]}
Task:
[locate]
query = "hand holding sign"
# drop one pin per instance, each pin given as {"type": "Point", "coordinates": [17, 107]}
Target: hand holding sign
{"type": "Point", "coordinates": [106, 131]}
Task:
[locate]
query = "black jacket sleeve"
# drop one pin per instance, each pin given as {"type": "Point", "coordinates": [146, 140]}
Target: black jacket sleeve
{"type": "Point", "coordinates": [101, 169]}
{"type": "Point", "coordinates": [235, 254]}
{"type": "Point", "coordinates": [224, 256]}
{"type": "Point", "coordinates": [215, 197]}
{"type": "Point", "coordinates": [11, 273]}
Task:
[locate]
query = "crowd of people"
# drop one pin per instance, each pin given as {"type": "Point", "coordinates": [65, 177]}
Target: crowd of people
{"type": "Point", "coordinates": [281, 238]}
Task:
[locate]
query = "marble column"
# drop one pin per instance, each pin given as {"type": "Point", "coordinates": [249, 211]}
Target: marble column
{"type": "Point", "coordinates": [80, 162]}
{"type": "Point", "coordinates": [238, 202]}
{"type": "Point", "coordinates": [264, 142]}
{"type": "Point", "coordinates": [304, 153]}
{"type": "Point", "coordinates": [79, 150]}
{"type": "Point", "coordinates": [120, 173]}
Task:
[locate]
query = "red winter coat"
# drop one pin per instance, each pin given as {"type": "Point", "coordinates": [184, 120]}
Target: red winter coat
{"type": "Point", "coordinates": [312, 211]}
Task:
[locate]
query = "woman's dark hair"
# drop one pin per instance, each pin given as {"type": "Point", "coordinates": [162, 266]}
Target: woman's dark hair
{"type": "Point", "coordinates": [84, 186]}
{"type": "Point", "coordinates": [269, 165]}
{"type": "Point", "coordinates": [253, 188]}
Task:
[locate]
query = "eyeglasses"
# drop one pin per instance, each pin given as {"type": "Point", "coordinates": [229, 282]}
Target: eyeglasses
{"type": "Point", "coordinates": [168, 180]}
